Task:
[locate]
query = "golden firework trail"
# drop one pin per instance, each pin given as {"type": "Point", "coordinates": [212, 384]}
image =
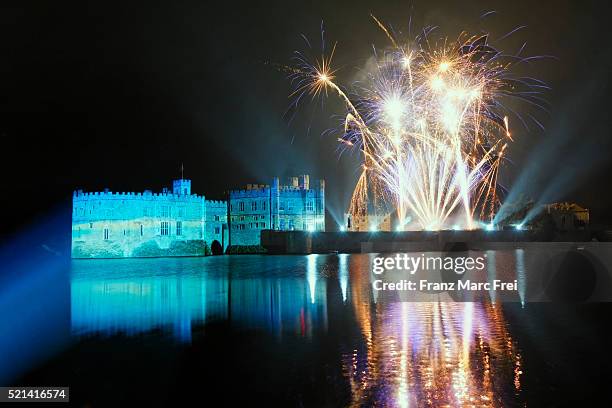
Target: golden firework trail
{"type": "Point", "coordinates": [429, 125]}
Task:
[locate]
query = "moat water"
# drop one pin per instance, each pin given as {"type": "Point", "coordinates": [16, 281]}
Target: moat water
{"type": "Point", "coordinates": [311, 331]}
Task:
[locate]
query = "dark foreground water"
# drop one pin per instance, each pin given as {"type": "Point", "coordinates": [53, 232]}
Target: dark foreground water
{"type": "Point", "coordinates": [311, 331]}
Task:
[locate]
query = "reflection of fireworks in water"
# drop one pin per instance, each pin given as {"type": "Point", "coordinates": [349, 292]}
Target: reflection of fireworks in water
{"type": "Point", "coordinates": [430, 125]}
{"type": "Point", "coordinates": [434, 354]}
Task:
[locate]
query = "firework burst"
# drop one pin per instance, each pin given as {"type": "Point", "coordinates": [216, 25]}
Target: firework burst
{"type": "Point", "coordinates": [430, 125]}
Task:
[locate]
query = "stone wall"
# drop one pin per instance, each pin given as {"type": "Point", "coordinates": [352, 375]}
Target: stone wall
{"type": "Point", "coordinates": [250, 213]}
{"type": "Point", "coordinates": [215, 227]}
{"type": "Point", "coordinates": [298, 242]}
{"type": "Point", "coordinates": [293, 207]}
{"type": "Point", "coordinates": [114, 225]}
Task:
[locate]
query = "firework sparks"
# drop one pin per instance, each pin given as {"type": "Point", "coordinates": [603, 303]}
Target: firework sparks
{"type": "Point", "coordinates": [430, 127]}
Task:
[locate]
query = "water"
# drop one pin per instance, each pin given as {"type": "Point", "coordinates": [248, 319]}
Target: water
{"type": "Point", "coordinates": [310, 331]}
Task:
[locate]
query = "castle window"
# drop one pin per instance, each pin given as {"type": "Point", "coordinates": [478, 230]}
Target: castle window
{"type": "Point", "coordinates": [217, 218]}
{"type": "Point", "coordinates": [308, 205]}
{"type": "Point", "coordinates": [179, 228]}
{"type": "Point", "coordinates": [165, 211]}
{"type": "Point", "coordinates": [263, 225]}
{"type": "Point", "coordinates": [91, 225]}
{"type": "Point", "coordinates": [164, 228]}
{"type": "Point", "coordinates": [253, 205]}
{"type": "Point", "coordinates": [181, 212]}
{"type": "Point", "coordinates": [291, 226]}
{"type": "Point", "coordinates": [105, 233]}
{"type": "Point", "coordinates": [217, 230]}
{"type": "Point", "coordinates": [289, 206]}
{"type": "Point", "coordinates": [282, 224]}
{"type": "Point", "coordinates": [141, 230]}
{"type": "Point", "coordinates": [281, 206]}
{"type": "Point", "coordinates": [263, 205]}
{"type": "Point", "coordinates": [241, 206]}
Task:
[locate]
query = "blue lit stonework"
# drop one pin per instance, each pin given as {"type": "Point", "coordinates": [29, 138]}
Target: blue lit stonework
{"type": "Point", "coordinates": [171, 223]}
{"type": "Point", "coordinates": [291, 207]}
{"type": "Point", "coordinates": [179, 223]}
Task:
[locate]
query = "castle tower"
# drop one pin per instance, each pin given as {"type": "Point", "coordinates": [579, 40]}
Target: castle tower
{"type": "Point", "coordinates": [294, 182]}
{"type": "Point", "coordinates": [305, 182]}
{"type": "Point", "coordinates": [181, 187]}
{"type": "Point", "coordinates": [275, 203]}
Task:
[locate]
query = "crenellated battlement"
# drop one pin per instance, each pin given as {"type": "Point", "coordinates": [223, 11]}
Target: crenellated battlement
{"type": "Point", "coordinates": [79, 195]}
{"type": "Point", "coordinates": [297, 186]}
{"type": "Point", "coordinates": [296, 193]}
{"type": "Point", "coordinates": [266, 191]}
{"type": "Point", "coordinates": [216, 204]}
{"type": "Point", "coordinates": [250, 193]}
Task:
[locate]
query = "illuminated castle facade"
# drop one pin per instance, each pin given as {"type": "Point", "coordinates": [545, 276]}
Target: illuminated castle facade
{"type": "Point", "coordinates": [171, 223]}
{"type": "Point", "coordinates": [294, 206]}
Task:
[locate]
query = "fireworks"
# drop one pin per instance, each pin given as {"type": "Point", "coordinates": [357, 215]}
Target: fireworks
{"type": "Point", "coordinates": [429, 124]}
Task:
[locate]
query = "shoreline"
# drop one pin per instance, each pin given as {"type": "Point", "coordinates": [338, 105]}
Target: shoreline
{"type": "Point", "coordinates": [300, 242]}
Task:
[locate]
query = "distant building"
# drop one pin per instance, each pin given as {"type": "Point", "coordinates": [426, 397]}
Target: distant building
{"type": "Point", "coordinates": [291, 207]}
{"type": "Point", "coordinates": [171, 223]}
{"type": "Point", "coordinates": [367, 222]}
{"type": "Point", "coordinates": [568, 216]}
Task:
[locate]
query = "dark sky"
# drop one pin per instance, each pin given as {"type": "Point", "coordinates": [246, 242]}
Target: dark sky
{"type": "Point", "coordinates": [119, 94]}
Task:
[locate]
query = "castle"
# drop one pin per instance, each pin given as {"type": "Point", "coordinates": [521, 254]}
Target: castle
{"type": "Point", "coordinates": [291, 207]}
{"type": "Point", "coordinates": [179, 223]}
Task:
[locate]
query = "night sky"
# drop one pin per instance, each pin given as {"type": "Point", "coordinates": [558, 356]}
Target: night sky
{"type": "Point", "coordinates": [119, 94]}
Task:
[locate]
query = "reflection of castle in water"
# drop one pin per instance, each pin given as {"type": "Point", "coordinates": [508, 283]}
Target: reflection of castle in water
{"type": "Point", "coordinates": [106, 299]}
{"type": "Point", "coordinates": [403, 353]}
